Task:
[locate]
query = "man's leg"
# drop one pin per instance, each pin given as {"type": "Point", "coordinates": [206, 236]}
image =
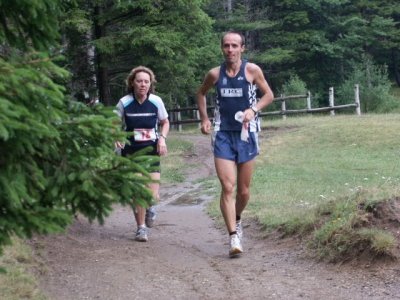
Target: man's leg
{"type": "Point", "coordinates": [226, 171]}
{"type": "Point", "coordinates": [245, 173]}
{"type": "Point", "coordinates": [244, 176]}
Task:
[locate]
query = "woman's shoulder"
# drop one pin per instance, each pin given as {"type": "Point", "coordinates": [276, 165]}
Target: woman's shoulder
{"type": "Point", "coordinates": [154, 97]}
{"type": "Point", "coordinates": [126, 100]}
{"type": "Point", "coordinates": [156, 100]}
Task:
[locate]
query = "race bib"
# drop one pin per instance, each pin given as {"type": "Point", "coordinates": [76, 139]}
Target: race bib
{"type": "Point", "coordinates": [144, 135]}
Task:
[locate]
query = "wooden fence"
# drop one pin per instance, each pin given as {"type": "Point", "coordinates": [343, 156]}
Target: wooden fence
{"type": "Point", "coordinates": [175, 114]}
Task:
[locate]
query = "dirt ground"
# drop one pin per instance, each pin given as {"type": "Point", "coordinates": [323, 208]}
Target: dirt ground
{"type": "Point", "coordinates": [186, 257]}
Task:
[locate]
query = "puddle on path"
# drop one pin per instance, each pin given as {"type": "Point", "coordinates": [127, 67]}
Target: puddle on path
{"type": "Point", "coordinates": [191, 198]}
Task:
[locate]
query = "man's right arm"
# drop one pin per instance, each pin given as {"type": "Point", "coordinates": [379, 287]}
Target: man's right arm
{"type": "Point", "coordinates": [207, 84]}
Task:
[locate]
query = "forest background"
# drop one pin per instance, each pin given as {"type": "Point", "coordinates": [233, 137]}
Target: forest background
{"type": "Point", "coordinates": [56, 56]}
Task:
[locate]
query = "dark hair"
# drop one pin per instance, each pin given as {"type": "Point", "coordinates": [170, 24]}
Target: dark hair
{"type": "Point", "coordinates": [235, 32]}
{"type": "Point", "coordinates": [132, 76]}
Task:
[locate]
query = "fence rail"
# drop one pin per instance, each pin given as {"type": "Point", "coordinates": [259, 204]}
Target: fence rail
{"type": "Point", "coordinates": [175, 114]}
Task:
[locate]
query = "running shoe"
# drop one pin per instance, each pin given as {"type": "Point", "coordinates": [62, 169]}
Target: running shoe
{"type": "Point", "coordinates": [239, 230]}
{"type": "Point", "coordinates": [235, 246]}
{"type": "Point", "coordinates": [150, 216]}
{"type": "Point", "coordinates": [141, 234]}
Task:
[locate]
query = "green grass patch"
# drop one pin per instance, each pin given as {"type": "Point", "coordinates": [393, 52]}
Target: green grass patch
{"type": "Point", "coordinates": [173, 164]}
{"type": "Point", "coordinates": [18, 282]}
{"type": "Point", "coordinates": [317, 163]}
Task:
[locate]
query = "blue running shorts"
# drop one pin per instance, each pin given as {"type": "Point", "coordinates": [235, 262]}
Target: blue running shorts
{"type": "Point", "coordinates": [228, 145]}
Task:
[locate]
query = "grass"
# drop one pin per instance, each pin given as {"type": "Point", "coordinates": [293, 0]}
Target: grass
{"type": "Point", "coordinates": [19, 282]}
{"type": "Point", "coordinates": [312, 174]}
{"type": "Point", "coordinates": [333, 180]}
{"type": "Point", "coordinates": [173, 165]}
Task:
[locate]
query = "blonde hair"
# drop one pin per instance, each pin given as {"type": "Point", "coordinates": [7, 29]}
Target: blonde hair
{"type": "Point", "coordinates": [132, 76]}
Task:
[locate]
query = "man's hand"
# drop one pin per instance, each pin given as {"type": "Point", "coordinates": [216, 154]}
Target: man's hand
{"type": "Point", "coordinates": [248, 115]}
{"type": "Point", "coordinates": [206, 127]}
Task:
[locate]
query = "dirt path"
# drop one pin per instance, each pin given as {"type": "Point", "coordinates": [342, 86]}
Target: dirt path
{"type": "Point", "coordinates": [186, 258]}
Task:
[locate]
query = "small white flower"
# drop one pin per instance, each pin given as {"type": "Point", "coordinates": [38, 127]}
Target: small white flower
{"type": "Point", "coordinates": [346, 183]}
{"type": "Point", "coordinates": [322, 196]}
{"type": "Point", "coordinates": [365, 178]}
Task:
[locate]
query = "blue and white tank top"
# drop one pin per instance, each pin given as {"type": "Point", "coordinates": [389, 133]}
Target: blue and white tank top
{"type": "Point", "coordinates": [233, 95]}
{"type": "Point", "coordinates": [141, 119]}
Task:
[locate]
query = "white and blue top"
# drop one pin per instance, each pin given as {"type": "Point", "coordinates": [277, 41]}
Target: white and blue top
{"type": "Point", "coordinates": [233, 95]}
{"type": "Point", "coordinates": [141, 118]}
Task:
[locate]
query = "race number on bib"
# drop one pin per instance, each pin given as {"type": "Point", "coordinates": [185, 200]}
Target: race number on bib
{"type": "Point", "coordinates": [144, 135]}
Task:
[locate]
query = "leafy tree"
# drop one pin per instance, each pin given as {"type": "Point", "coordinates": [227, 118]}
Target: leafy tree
{"type": "Point", "coordinates": [171, 37]}
{"type": "Point", "coordinates": [324, 36]}
{"type": "Point", "coordinates": [294, 86]}
{"type": "Point", "coordinates": [374, 86]}
{"type": "Point", "coordinates": [57, 155]}
{"type": "Point", "coordinates": [316, 38]}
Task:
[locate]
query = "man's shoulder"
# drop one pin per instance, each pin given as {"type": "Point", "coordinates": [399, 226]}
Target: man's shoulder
{"type": "Point", "coordinates": [252, 67]}
{"type": "Point", "coordinates": [215, 71]}
{"type": "Point", "coordinates": [213, 75]}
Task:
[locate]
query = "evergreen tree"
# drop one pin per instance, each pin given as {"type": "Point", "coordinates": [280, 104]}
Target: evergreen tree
{"type": "Point", "coordinates": [173, 38]}
{"type": "Point", "coordinates": [316, 39]}
{"type": "Point", "coordinates": [323, 38]}
{"type": "Point", "coordinates": [57, 155]}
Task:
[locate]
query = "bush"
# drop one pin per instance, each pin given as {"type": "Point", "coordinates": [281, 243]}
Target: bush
{"type": "Point", "coordinates": [294, 86]}
{"type": "Point", "coordinates": [374, 87]}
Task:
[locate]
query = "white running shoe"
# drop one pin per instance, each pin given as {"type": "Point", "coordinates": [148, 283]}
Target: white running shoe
{"type": "Point", "coordinates": [235, 246]}
{"type": "Point", "coordinates": [141, 234]}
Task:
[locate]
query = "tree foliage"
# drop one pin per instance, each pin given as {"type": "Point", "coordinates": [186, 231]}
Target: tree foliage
{"type": "Point", "coordinates": [319, 40]}
{"type": "Point", "coordinates": [57, 155]}
{"type": "Point", "coordinates": [173, 38]}
{"type": "Point", "coordinates": [374, 88]}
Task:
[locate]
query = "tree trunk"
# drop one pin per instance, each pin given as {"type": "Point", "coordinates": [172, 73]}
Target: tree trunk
{"type": "Point", "coordinates": [396, 66]}
{"type": "Point", "coordinates": [103, 81]}
{"type": "Point", "coordinates": [228, 5]}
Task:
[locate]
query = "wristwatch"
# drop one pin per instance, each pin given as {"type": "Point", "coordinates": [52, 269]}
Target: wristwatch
{"type": "Point", "coordinates": [254, 108]}
{"type": "Point", "coordinates": [164, 136]}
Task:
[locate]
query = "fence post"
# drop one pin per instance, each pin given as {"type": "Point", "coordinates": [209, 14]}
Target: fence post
{"type": "Point", "coordinates": [171, 119]}
{"type": "Point", "coordinates": [357, 100]}
{"type": "Point", "coordinates": [308, 100]}
{"type": "Point", "coordinates": [196, 114]}
{"type": "Point", "coordinates": [331, 100]}
{"type": "Point", "coordinates": [283, 106]}
{"type": "Point", "coordinates": [178, 118]}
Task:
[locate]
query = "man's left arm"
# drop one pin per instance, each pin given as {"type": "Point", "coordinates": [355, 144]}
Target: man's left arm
{"type": "Point", "coordinates": [262, 84]}
{"type": "Point", "coordinates": [257, 78]}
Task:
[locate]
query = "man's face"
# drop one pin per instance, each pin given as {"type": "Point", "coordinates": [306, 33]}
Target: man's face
{"type": "Point", "coordinates": [141, 83]}
{"type": "Point", "coordinates": [232, 47]}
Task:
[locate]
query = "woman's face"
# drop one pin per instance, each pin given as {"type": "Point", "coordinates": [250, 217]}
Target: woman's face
{"type": "Point", "coordinates": [141, 84]}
